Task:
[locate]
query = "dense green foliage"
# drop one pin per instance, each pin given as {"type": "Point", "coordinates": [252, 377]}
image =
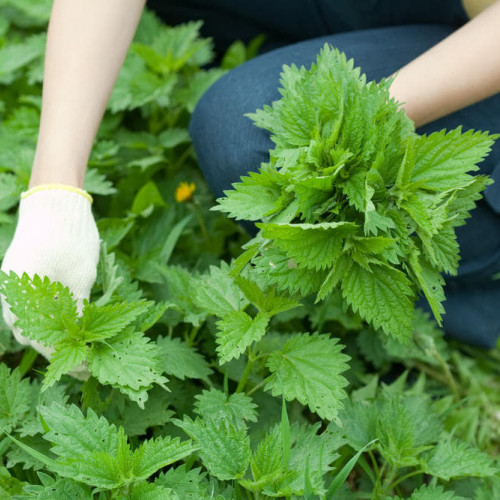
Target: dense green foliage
{"type": "Point", "coordinates": [213, 373]}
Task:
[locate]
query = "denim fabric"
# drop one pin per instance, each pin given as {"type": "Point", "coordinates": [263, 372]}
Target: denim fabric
{"type": "Point", "coordinates": [228, 145]}
{"type": "Point", "coordinates": [289, 21]}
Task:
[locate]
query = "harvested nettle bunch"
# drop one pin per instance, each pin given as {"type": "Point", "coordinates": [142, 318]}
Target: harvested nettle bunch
{"type": "Point", "coordinates": [353, 198]}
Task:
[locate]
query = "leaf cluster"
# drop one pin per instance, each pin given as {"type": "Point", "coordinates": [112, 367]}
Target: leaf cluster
{"type": "Point", "coordinates": [353, 199]}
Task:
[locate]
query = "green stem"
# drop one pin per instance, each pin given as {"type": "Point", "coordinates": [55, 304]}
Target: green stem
{"type": "Point", "coordinates": [246, 373]}
{"type": "Point", "coordinates": [404, 478]}
{"type": "Point", "coordinates": [432, 373]}
{"type": "Point", "coordinates": [448, 375]}
{"type": "Point", "coordinates": [192, 335]}
{"type": "Point", "coordinates": [256, 388]}
{"type": "Point", "coordinates": [363, 463]}
{"type": "Point", "coordinates": [386, 486]}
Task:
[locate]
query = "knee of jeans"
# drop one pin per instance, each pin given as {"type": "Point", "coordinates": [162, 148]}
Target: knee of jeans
{"type": "Point", "coordinates": [228, 145]}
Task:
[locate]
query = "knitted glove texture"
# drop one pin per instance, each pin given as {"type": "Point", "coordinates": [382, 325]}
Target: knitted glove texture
{"type": "Point", "coordinates": [56, 236]}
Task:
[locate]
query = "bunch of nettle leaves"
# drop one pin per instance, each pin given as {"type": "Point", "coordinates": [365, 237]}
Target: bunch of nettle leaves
{"type": "Point", "coordinates": [205, 381]}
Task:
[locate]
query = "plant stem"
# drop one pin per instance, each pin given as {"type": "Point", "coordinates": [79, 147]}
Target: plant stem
{"type": "Point", "coordinates": [448, 375]}
{"type": "Point", "coordinates": [256, 388]}
{"type": "Point", "coordinates": [246, 373]}
{"type": "Point", "coordinates": [404, 478]}
{"type": "Point", "coordinates": [192, 335]}
{"type": "Point", "coordinates": [386, 486]}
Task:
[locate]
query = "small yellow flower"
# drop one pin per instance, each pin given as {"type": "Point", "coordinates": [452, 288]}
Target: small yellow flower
{"type": "Point", "coordinates": [184, 191]}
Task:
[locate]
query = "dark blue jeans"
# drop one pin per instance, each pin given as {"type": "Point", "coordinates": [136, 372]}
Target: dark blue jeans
{"type": "Point", "coordinates": [228, 145]}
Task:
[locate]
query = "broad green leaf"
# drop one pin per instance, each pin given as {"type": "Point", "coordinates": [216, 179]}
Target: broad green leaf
{"type": "Point", "coordinates": [135, 420]}
{"type": "Point", "coordinates": [216, 293]}
{"type": "Point", "coordinates": [312, 246]}
{"type": "Point", "coordinates": [266, 301]}
{"type": "Point", "coordinates": [15, 398]}
{"type": "Point", "coordinates": [128, 360]}
{"type": "Point", "coordinates": [61, 489]}
{"type": "Point", "coordinates": [153, 454]}
{"type": "Point", "coordinates": [383, 296]}
{"type": "Point", "coordinates": [96, 183]}
{"type": "Point", "coordinates": [452, 458]}
{"type": "Point", "coordinates": [73, 435]}
{"type": "Point", "coordinates": [267, 467]}
{"type": "Point", "coordinates": [46, 310]}
{"type": "Point", "coordinates": [103, 322]}
{"type": "Point", "coordinates": [224, 450]}
{"type": "Point", "coordinates": [142, 490]}
{"type": "Point", "coordinates": [250, 200]}
{"type": "Point", "coordinates": [309, 368]}
{"type": "Point", "coordinates": [181, 360]}
{"type": "Point", "coordinates": [188, 484]}
{"type": "Point", "coordinates": [148, 195]}
{"type": "Point", "coordinates": [236, 331]}
{"type": "Point", "coordinates": [198, 84]}
{"type": "Point", "coordinates": [13, 57]}
{"type": "Point", "coordinates": [443, 158]}
{"type": "Point", "coordinates": [67, 355]}
{"type": "Point", "coordinates": [430, 492]}
{"type": "Point", "coordinates": [94, 452]}
{"type": "Point", "coordinates": [235, 408]}
{"type": "Point", "coordinates": [274, 267]}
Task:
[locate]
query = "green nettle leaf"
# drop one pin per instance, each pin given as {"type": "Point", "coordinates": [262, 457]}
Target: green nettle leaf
{"type": "Point", "coordinates": [265, 301]}
{"type": "Point", "coordinates": [46, 310]}
{"type": "Point", "coordinates": [309, 368]}
{"type": "Point", "coordinates": [13, 57]}
{"type": "Point", "coordinates": [274, 267]}
{"type": "Point", "coordinates": [382, 295]}
{"type": "Point", "coordinates": [188, 484]}
{"type": "Point", "coordinates": [250, 199]}
{"type": "Point", "coordinates": [67, 355]}
{"type": "Point", "coordinates": [453, 458]}
{"type": "Point", "coordinates": [224, 450]}
{"type": "Point", "coordinates": [216, 292]}
{"type": "Point", "coordinates": [429, 492]}
{"type": "Point", "coordinates": [153, 454]}
{"type": "Point", "coordinates": [236, 331]}
{"type": "Point", "coordinates": [103, 336]}
{"type": "Point", "coordinates": [268, 471]}
{"type": "Point", "coordinates": [135, 420]}
{"type": "Point", "coordinates": [93, 451]}
{"type": "Point", "coordinates": [59, 489]}
{"type": "Point", "coordinates": [313, 246]}
{"type": "Point", "coordinates": [102, 322]}
{"type": "Point", "coordinates": [181, 360]}
{"type": "Point", "coordinates": [129, 361]}
{"type": "Point", "coordinates": [348, 164]}
{"type": "Point", "coordinates": [15, 398]}
{"type": "Point", "coordinates": [142, 490]}
{"type": "Point", "coordinates": [236, 408]}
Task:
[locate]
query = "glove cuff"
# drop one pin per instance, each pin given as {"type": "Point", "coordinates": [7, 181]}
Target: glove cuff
{"type": "Point", "coordinates": [62, 187]}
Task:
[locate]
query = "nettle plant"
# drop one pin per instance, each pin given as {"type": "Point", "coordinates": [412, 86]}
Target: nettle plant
{"type": "Point", "coordinates": [353, 198]}
{"type": "Point", "coordinates": [354, 209]}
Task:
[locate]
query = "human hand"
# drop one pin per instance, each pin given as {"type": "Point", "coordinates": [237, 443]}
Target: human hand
{"type": "Point", "coordinates": [57, 237]}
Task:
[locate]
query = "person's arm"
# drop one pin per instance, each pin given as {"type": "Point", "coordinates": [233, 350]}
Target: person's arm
{"type": "Point", "coordinates": [461, 70]}
{"type": "Point", "coordinates": [86, 45]}
{"type": "Point", "coordinates": [56, 234]}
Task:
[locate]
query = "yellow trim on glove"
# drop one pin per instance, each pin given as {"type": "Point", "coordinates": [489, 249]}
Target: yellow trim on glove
{"type": "Point", "coordinates": [64, 187]}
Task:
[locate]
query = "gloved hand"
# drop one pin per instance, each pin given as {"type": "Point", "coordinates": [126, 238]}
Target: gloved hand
{"type": "Point", "coordinates": [56, 236]}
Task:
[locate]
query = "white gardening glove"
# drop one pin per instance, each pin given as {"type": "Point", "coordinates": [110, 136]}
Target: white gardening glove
{"type": "Point", "coordinates": [56, 236]}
